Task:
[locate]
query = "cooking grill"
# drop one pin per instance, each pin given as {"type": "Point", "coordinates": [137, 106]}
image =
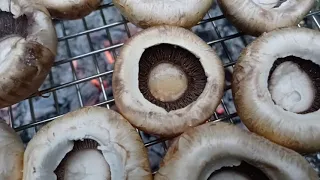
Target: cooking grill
{"type": "Point", "coordinates": [51, 88]}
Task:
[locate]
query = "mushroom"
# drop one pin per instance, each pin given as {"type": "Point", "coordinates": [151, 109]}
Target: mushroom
{"type": "Point", "coordinates": [255, 17]}
{"type": "Point", "coordinates": [167, 79]}
{"type": "Point", "coordinates": [11, 153]}
{"type": "Point", "coordinates": [222, 151]}
{"type": "Point", "coordinates": [28, 45]}
{"type": "Point", "coordinates": [92, 143]}
{"type": "Point", "coordinates": [69, 9]}
{"type": "Point", "coordinates": [276, 87]}
{"type": "Point", "coordinates": [146, 13]}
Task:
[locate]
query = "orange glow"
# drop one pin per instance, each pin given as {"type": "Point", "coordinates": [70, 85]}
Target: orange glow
{"type": "Point", "coordinates": [109, 57]}
{"type": "Point", "coordinates": [75, 64]}
{"type": "Point", "coordinates": [96, 83]}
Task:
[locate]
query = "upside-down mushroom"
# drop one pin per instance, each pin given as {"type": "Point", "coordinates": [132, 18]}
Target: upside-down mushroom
{"type": "Point", "coordinates": [28, 45]}
{"type": "Point", "coordinates": [276, 87]}
{"type": "Point", "coordinates": [69, 9]}
{"type": "Point", "coordinates": [11, 153]}
{"type": "Point", "coordinates": [255, 17]}
{"type": "Point", "coordinates": [146, 13]}
{"type": "Point", "coordinates": [221, 151]}
{"type": "Point", "coordinates": [91, 144]}
{"type": "Point", "coordinates": [167, 79]}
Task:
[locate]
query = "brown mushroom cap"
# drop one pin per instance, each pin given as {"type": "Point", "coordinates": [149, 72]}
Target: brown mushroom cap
{"type": "Point", "coordinates": [69, 9]}
{"type": "Point", "coordinates": [221, 150]}
{"type": "Point", "coordinates": [117, 143]}
{"type": "Point", "coordinates": [255, 17]}
{"type": "Point", "coordinates": [160, 112]}
{"type": "Point", "coordinates": [147, 13]}
{"type": "Point", "coordinates": [28, 45]}
{"type": "Point", "coordinates": [11, 153]}
{"type": "Point", "coordinates": [276, 87]}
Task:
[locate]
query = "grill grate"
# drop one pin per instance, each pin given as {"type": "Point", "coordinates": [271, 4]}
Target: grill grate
{"type": "Point", "coordinates": [51, 87]}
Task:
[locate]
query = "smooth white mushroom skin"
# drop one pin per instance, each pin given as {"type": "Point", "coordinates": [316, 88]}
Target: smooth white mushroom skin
{"type": "Point", "coordinates": [148, 13]}
{"type": "Point", "coordinates": [291, 88]}
{"type": "Point", "coordinates": [229, 175]}
{"type": "Point", "coordinates": [69, 9]}
{"type": "Point", "coordinates": [88, 165]}
{"type": "Point", "coordinates": [123, 153]}
{"type": "Point", "coordinates": [254, 17]}
{"type": "Point", "coordinates": [11, 153]}
{"type": "Point", "coordinates": [167, 82]}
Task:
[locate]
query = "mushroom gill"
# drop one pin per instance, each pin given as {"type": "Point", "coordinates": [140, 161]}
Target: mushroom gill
{"type": "Point", "coordinates": [170, 76]}
{"type": "Point", "coordinates": [294, 84]}
{"type": "Point", "coordinates": [11, 26]}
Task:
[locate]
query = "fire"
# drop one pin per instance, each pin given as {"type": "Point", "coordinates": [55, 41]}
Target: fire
{"type": "Point", "coordinates": [108, 55]}
{"type": "Point", "coordinates": [96, 83]}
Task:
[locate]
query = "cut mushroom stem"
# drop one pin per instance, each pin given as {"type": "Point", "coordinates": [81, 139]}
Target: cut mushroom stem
{"type": "Point", "coordinates": [221, 151]}
{"type": "Point", "coordinates": [90, 143]}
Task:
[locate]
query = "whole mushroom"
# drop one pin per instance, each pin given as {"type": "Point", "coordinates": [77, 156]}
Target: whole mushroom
{"type": "Point", "coordinates": [28, 45]}
{"type": "Point", "coordinates": [92, 143]}
{"type": "Point", "coordinates": [276, 87]}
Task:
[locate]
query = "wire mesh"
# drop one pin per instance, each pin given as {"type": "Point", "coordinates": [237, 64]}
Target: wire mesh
{"type": "Point", "coordinates": [53, 88]}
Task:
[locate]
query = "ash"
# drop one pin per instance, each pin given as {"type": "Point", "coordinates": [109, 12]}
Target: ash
{"type": "Point", "coordinates": [81, 56]}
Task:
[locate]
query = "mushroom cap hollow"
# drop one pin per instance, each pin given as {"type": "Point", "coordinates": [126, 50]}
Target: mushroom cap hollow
{"type": "Point", "coordinates": [147, 13]}
{"type": "Point", "coordinates": [148, 116]}
{"type": "Point", "coordinates": [28, 44]}
{"type": "Point", "coordinates": [255, 17]}
{"type": "Point", "coordinates": [259, 107]}
{"type": "Point", "coordinates": [11, 153]}
{"type": "Point", "coordinates": [118, 142]}
{"type": "Point", "coordinates": [203, 150]}
{"type": "Point", "coordinates": [69, 9]}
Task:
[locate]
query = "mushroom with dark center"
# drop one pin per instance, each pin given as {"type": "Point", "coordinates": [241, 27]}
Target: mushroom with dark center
{"type": "Point", "coordinates": [276, 87]}
{"type": "Point", "coordinates": [91, 143]}
{"type": "Point", "coordinates": [170, 76]}
{"type": "Point", "coordinates": [255, 17]}
{"type": "Point", "coordinates": [167, 79]}
{"type": "Point", "coordinates": [28, 45]}
{"type": "Point", "coordinates": [294, 84]}
{"type": "Point", "coordinates": [222, 151]}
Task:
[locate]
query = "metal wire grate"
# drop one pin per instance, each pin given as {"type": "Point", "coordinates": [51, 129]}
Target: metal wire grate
{"type": "Point", "coordinates": [52, 88]}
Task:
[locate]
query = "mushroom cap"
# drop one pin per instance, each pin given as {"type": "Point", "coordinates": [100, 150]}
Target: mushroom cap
{"type": "Point", "coordinates": [147, 13]}
{"type": "Point", "coordinates": [204, 149]}
{"type": "Point", "coordinates": [253, 100]}
{"type": "Point", "coordinates": [152, 118]}
{"type": "Point", "coordinates": [120, 144]}
{"type": "Point", "coordinates": [254, 19]}
{"type": "Point", "coordinates": [11, 153]}
{"type": "Point", "coordinates": [69, 9]}
{"type": "Point", "coordinates": [25, 61]}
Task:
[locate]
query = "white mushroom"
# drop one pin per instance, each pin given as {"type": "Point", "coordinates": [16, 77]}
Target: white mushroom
{"type": "Point", "coordinates": [27, 49]}
{"type": "Point", "coordinates": [167, 79]}
{"type": "Point", "coordinates": [146, 13]}
{"type": "Point", "coordinates": [221, 151]}
{"type": "Point", "coordinates": [276, 87]}
{"type": "Point", "coordinates": [11, 153]}
{"type": "Point", "coordinates": [91, 144]}
{"type": "Point", "coordinates": [255, 17]}
{"type": "Point", "coordinates": [69, 9]}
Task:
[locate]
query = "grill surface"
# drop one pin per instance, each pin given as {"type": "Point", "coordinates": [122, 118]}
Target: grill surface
{"type": "Point", "coordinates": [51, 88]}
